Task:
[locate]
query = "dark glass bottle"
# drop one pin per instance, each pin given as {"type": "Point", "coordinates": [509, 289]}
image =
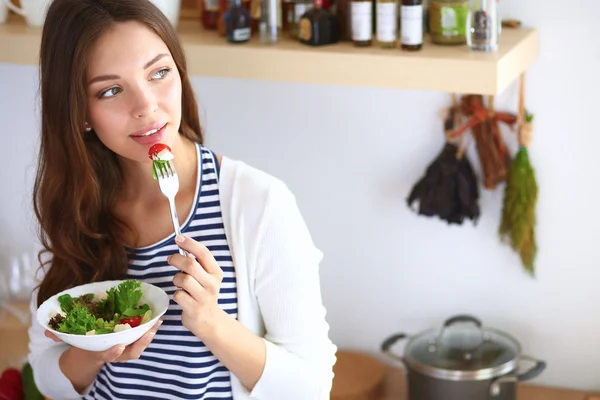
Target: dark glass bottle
{"type": "Point", "coordinates": [343, 13]}
{"type": "Point", "coordinates": [411, 24]}
{"type": "Point", "coordinates": [210, 14]}
{"type": "Point", "coordinates": [318, 27]}
{"type": "Point", "coordinates": [237, 22]}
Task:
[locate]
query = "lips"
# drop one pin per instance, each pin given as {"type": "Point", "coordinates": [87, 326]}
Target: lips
{"type": "Point", "coordinates": [150, 135]}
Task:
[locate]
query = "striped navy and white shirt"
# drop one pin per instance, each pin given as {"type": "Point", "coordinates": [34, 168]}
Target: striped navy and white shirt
{"type": "Point", "coordinates": [176, 364]}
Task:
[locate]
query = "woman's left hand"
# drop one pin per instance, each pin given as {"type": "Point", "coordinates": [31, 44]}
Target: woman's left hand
{"type": "Point", "coordinates": [200, 280]}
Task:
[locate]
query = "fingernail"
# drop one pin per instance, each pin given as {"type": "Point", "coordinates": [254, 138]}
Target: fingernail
{"type": "Point", "coordinates": [179, 238]}
{"type": "Point", "coordinates": [120, 349]}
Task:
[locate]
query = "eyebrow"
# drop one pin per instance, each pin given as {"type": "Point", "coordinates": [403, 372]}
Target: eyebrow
{"type": "Point", "coordinates": [113, 77]}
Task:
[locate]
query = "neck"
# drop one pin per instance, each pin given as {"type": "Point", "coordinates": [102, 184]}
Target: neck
{"type": "Point", "coordinates": [139, 185]}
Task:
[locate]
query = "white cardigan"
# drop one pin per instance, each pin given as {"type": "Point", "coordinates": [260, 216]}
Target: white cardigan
{"type": "Point", "coordinates": [279, 296]}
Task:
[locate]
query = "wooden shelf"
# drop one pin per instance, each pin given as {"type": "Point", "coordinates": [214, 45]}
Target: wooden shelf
{"type": "Point", "coordinates": [434, 68]}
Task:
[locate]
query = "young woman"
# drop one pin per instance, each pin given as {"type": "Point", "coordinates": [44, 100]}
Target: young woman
{"type": "Point", "coordinates": [246, 319]}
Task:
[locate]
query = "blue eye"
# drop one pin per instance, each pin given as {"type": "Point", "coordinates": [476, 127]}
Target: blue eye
{"type": "Point", "coordinates": [161, 74]}
{"type": "Point", "coordinates": [112, 92]}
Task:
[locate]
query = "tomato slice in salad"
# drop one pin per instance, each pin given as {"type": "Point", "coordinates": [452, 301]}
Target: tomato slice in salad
{"type": "Point", "coordinates": [157, 148]}
{"type": "Point", "coordinates": [132, 321]}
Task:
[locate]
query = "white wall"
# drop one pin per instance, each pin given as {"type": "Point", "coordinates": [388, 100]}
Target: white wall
{"type": "Point", "coordinates": [352, 154]}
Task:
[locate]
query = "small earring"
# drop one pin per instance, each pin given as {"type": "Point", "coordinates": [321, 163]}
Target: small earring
{"type": "Point", "coordinates": [87, 127]}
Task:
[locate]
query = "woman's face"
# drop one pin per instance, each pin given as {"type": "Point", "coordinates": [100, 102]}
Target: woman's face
{"type": "Point", "coordinates": [134, 91]}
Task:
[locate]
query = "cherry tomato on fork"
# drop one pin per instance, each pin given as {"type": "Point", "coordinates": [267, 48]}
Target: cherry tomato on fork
{"type": "Point", "coordinates": [157, 148]}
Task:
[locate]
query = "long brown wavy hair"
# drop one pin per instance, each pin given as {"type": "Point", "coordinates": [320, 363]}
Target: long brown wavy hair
{"type": "Point", "coordinates": [78, 179]}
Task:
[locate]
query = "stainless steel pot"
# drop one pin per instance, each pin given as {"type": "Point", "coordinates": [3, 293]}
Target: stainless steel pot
{"type": "Point", "coordinates": [462, 361]}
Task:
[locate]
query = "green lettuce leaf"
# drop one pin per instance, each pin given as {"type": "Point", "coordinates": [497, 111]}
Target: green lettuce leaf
{"type": "Point", "coordinates": [66, 302]}
{"type": "Point", "coordinates": [78, 321]}
{"type": "Point", "coordinates": [103, 331]}
{"type": "Point", "coordinates": [134, 312]}
{"type": "Point", "coordinates": [128, 295]}
{"type": "Point", "coordinates": [159, 166]}
{"type": "Point", "coordinates": [106, 308]}
{"type": "Point", "coordinates": [84, 314]}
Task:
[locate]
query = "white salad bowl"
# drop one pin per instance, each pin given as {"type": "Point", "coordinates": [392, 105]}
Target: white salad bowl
{"type": "Point", "coordinates": [157, 299]}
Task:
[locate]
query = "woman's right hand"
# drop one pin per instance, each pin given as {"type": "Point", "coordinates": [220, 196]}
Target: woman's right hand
{"type": "Point", "coordinates": [119, 353]}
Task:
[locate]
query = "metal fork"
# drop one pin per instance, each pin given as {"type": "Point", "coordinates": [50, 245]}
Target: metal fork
{"type": "Point", "coordinates": [169, 186]}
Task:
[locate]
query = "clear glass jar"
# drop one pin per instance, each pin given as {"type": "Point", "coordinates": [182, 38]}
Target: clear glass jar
{"type": "Point", "coordinates": [483, 25]}
{"type": "Point", "coordinates": [448, 21]}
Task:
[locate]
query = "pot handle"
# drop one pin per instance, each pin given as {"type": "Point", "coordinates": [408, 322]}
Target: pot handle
{"type": "Point", "coordinates": [538, 368]}
{"type": "Point", "coordinates": [389, 342]}
{"type": "Point", "coordinates": [462, 318]}
{"type": "Point", "coordinates": [534, 371]}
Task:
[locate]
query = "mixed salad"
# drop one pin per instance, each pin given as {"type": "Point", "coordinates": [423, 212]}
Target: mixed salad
{"type": "Point", "coordinates": [115, 310]}
{"type": "Point", "coordinates": [161, 156]}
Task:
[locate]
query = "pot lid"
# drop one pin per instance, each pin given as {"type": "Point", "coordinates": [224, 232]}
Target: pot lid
{"type": "Point", "coordinates": [463, 350]}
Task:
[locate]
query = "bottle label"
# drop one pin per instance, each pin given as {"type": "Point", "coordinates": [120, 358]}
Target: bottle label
{"type": "Point", "coordinates": [305, 29]}
{"type": "Point", "coordinates": [453, 20]}
{"type": "Point", "coordinates": [211, 5]}
{"type": "Point", "coordinates": [387, 22]}
{"type": "Point", "coordinates": [482, 26]}
{"type": "Point", "coordinates": [299, 10]}
{"type": "Point", "coordinates": [362, 20]}
{"type": "Point", "coordinates": [412, 25]}
{"type": "Point", "coordinates": [241, 34]}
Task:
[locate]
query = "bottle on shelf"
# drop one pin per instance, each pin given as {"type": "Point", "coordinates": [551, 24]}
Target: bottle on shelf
{"type": "Point", "coordinates": [300, 7]}
{"type": "Point", "coordinates": [361, 16]}
{"type": "Point", "coordinates": [269, 22]}
{"type": "Point", "coordinates": [483, 25]}
{"type": "Point", "coordinates": [411, 25]}
{"type": "Point", "coordinates": [287, 15]}
{"type": "Point", "coordinates": [318, 27]}
{"type": "Point", "coordinates": [255, 10]}
{"type": "Point", "coordinates": [448, 21]}
{"type": "Point", "coordinates": [210, 14]}
{"type": "Point", "coordinates": [387, 23]}
{"type": "Point", "coordinates": [237, 22]}
{"type": "Point", "coordinates": [344, 17]}
{"type": "Point", "coordinates": [223, 7]}
{"type": "Point", "coordinates": [426, 4]}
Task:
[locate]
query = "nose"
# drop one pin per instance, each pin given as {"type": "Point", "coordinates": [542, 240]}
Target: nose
{"type": "Point", "coordinates": [144, 103]}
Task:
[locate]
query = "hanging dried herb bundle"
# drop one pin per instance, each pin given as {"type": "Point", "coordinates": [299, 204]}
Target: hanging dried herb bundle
{"type": "Point", "coordinates": [490, 147]}
{"type": "Point", "coordinates": [484, 124]}
{"type": "Point", "coordinates": [517, 226]}
{"type": "Point", "coordinates": [448, 189]}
